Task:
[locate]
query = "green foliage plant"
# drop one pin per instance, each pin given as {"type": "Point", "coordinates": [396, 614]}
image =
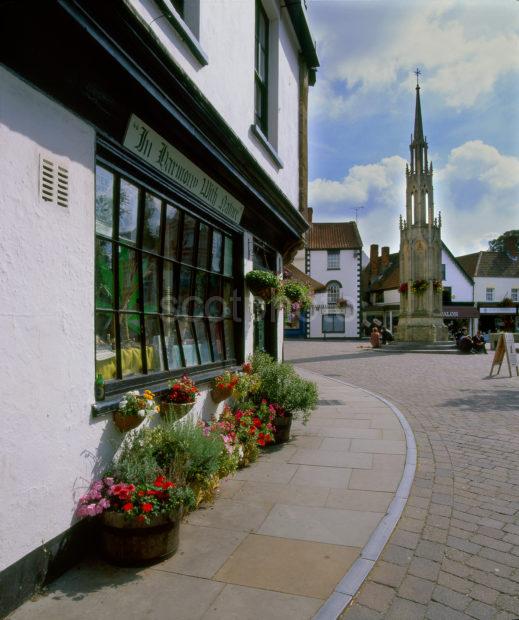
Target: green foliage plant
{"type": "Point", "coordinates": [281, 385]}
{"type": "Point", "coordinates": [297, 293]}
{"type": "Point", "coordinates": [262, 279]}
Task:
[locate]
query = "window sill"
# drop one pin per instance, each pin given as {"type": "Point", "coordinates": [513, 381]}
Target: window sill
{"type": "Point", "coordinates": [202, 377]}
{"type": "Point", "coordinates": [184, 32]}
{"type": "Point", "coordinates": [262, 138]}
{"type": "Point", "coordinates": [333, 269]}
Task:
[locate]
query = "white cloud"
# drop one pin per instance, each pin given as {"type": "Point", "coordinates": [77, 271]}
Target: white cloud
{"type": "Point", "coordinates": [477, 191]}
{"type": "Point", "coordinates": [462, 57]}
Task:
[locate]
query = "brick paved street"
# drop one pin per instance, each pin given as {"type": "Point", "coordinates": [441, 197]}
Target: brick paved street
{"type": "Point", "coordinates": [455, 552]}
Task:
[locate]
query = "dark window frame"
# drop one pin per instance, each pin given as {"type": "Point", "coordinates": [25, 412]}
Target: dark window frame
{"type": "Point", "coordinates": [261, 48]}
{"type": "Point", "coordinates": [166, 197]}
{"type": "Point", "coordinates": [335, 316]}
{"type": "Point", "coordinates": [333, 254]}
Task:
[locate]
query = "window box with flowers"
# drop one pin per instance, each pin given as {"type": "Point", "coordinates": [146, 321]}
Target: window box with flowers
{"type": "Point", "coordinates": [223, 386]}
{"type": "Point", "coordinates": [133, 409]}
{"type": "Point", "coordinates": [419, 286]}
{"type": "Point", "coordinates": [179, 399]}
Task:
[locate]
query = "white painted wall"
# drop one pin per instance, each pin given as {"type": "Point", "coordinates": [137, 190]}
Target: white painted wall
{"type": "Point", "coordinates": [392, 296]}
{"type": "Point", "coordinates": [502, 288]}
{"type": "Point", "coordinates": [50, 446]}
{"type": "Point", "coordinates": [227, 29]}
{"type": "Point", "coordinates": [462, 289]}
{"type": "Point", "coordinates": [347, 275]}
{"type": "Point", "coordinates": [47, 322]}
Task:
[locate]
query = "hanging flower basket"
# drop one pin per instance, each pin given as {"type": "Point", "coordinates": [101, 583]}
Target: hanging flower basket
{"type": "Point", "coordinates": [403, 288]}
{"type": "Point", "coordinates": [171, 412]}
{"type": "Point", "coordinates": [263, 284]}
{"type": "Point", "coordinates": [223, 386]}
{"type": "Point", "coordinates": [437, 285]}
{"type": "Point", "coordinates": [419, 286]}
{"type": "Point", "coordinates": [130, 542]}
{"type": "Point", "coordinates": [126, 422]}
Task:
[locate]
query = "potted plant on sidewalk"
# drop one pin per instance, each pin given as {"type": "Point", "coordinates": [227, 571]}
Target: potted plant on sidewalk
{"type": "Point", "coordinates": [289, 394]}
{"type": "Point", "coordinates": [139, 522]}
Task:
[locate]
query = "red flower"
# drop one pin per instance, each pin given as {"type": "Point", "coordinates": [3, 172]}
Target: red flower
{"type": "Point", "coordinates": [141, 518]}
{"type": "Point", "coordinates": [127, 507]}
{"type": "Point", "coordinates": [256, 422]}
{"type": "Point", "coordinates": [146, 507]}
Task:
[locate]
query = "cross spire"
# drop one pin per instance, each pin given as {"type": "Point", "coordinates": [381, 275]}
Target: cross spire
{"type": "Point", "coordinates": [418, 128]}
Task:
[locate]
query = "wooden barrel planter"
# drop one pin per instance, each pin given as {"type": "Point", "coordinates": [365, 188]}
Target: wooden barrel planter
{"type": "Point", "coordinates": [171, 412]}
{"type": "Point", "coordinates": [220, 394]}
{"type": "Point", "coordinates": [126, 422]}
{"type": "Point", "coordinates": [133, 543]}
{"type": "Point", "coordinates": [282, 425]}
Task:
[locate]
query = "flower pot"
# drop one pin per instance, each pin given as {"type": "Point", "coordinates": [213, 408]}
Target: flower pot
{"type": "Point", "coordinates": [220, 394]}
{"type": "Point", "coordinates": [126, 422]}
{"type": "Point", "coordinates": [265, 292]}
{"type": "Point", "coordinates": [282, 424]}
{"type": "Point", "coordinates": [174, 411]}
{"type": "Point", "coordinates": [128, 542]}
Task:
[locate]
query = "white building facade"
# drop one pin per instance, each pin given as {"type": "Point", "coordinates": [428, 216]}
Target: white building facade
{"type": "Point", "coordinates": [333, 257]}
{"type": "Point", "coordinates": [139, 186]}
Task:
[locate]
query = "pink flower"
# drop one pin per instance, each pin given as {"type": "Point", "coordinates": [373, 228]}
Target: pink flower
{"type": "Point", "coordinates": [109, 482]}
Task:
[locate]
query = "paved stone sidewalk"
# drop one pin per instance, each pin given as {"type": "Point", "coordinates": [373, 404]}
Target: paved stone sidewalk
{"type": "Point", "coordinates": [281, 536]}
{"type": "Point", "coordinates": [455, 552]}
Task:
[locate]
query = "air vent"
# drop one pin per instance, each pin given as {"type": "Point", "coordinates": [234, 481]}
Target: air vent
{"type": "Point", "coordinates": [53, 182]}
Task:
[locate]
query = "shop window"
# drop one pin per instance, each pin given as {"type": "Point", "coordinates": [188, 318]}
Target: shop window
{"type": "Point", "coordinates": [333, 324]}
{"type": "Point", "coordinates": [379, 297]}
{"type": "Point", "coordinates": [333, 259]}
{"type": "Point", "coordinates": [334, 290]}
{"type": "Point", "coordinates": [163, 284]}
{"type": "Point", "coordinates": [489, 294]}
{"type": "Point", "coordinates": [515, 294]}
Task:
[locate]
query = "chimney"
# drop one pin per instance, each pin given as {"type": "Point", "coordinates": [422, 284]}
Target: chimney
{"type": "Point", "coordinates": [373, 259]}
{"type": "Point", "coordinates": [385, 257]}
{"type": "Point", "coordinates": [310, 215]}
{"type": "Point", "coordinates": [510, 245]}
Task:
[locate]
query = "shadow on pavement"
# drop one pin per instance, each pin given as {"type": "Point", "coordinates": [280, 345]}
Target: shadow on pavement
{"type": "Point", "coordinates": [91, 575]}
{"type": "Point", "coordinates": [485, 400]}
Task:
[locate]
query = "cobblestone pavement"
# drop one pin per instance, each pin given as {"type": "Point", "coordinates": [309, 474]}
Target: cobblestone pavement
{"type": "Point", "coordinates": [455, 552]}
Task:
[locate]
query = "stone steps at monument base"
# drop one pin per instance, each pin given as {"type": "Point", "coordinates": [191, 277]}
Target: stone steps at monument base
{"type": "Point", "coordinates": [446, 346]}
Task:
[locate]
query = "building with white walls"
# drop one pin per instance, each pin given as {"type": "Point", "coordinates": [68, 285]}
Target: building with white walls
{"type": "Point", "coordinates": [153, 152]}
{"type": "Point", "coordinates": [332, 256]}
{"type": "Point", "coordinates": [496, 285]}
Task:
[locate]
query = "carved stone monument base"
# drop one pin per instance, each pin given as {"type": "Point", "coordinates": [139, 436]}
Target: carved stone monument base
{"type": "Point", "coordinates": [421, 329]}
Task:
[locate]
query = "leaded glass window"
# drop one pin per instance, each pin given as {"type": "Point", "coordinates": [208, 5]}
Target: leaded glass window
{"type": "Point", "coordinates": [164, 284]}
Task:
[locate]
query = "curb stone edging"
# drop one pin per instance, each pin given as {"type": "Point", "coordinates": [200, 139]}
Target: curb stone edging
{"type": "Point", "coordinates": [360, 569]}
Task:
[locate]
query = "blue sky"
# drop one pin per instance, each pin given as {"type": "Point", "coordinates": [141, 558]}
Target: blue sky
{"type": "Point", "coordinates": [362, 114]}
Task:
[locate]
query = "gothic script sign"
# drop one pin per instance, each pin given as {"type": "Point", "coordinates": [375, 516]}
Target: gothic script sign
{"type": "Point", "coordinates": [505, 347]}
{"type": "Point", "coordinates": [150, 146]}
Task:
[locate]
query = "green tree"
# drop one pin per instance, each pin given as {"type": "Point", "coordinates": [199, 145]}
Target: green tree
{"type": "Point", "coordinates": [498, 245]}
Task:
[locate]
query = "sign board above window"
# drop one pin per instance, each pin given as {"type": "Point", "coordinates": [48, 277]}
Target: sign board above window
{"type": "Point", "coordinates": [150, 146]}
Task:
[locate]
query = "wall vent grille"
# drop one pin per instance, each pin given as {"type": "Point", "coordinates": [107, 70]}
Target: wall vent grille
{"type": "Point", "coordinates": [53, 182]}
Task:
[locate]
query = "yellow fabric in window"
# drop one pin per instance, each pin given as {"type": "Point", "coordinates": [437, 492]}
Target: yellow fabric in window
{"type": "Point", "coordinates": [130, 361]}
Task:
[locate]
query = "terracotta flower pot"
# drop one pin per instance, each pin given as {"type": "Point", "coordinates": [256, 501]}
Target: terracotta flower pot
{"type": "Point", "coordinates": [133, 543]}
{"type": "Point", "coordinates": [126, 422]}
{"type": "Point", "coordinates": [220, 394]}
{"type": "Point", "coordinates": [282, 424]}
{"type": "Point", "coordinates": [174, 411]}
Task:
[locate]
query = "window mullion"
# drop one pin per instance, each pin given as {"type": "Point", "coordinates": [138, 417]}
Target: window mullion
{"type": "Point", "coordinates": [115, 263]}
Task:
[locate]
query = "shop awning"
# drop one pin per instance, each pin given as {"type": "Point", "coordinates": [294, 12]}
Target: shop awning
{"type": "Point", "coordinates": [460, 312]}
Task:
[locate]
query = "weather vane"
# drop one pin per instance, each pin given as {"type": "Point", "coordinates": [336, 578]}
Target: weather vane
{"type": "Point", "coordinates": [417, 73]}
